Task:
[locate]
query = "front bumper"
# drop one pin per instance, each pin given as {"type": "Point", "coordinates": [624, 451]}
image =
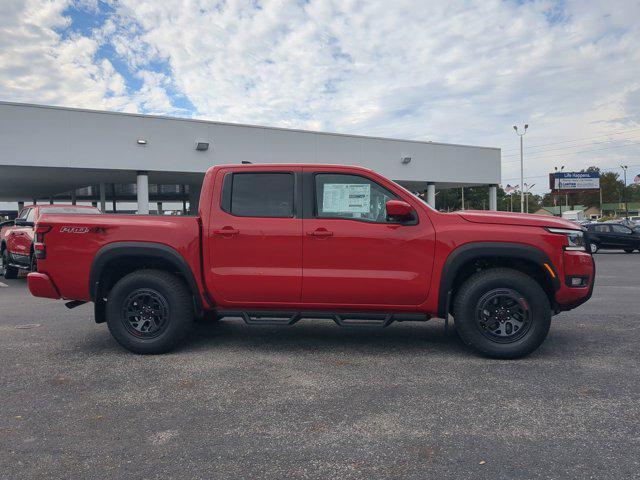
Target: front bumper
{"type": "Point", "coordinates": [40, 285]}
{"type": "Point", "coordinates": [578, 264]}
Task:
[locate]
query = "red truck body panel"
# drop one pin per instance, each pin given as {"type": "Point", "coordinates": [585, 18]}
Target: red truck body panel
{"type": "Point", "coordinates": [306, 262]}
{"type": "Point", "coordinates": [71, 250]}
{"type": "Point", "coordinates": [19, 239]}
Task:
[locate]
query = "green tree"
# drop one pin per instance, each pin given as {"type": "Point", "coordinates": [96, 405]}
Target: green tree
{"type": "Point", "coordinates": [477, 198]}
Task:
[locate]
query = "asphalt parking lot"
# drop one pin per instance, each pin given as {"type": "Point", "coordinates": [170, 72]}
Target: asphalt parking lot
{"type": "Point", "coordinates": [318, 401]}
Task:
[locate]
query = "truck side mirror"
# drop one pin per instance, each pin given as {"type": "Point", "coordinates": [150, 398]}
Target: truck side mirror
{"type": "Point", "coordinates": [21, 222]}
{"type": "Point", "coordinates": [400, 210]}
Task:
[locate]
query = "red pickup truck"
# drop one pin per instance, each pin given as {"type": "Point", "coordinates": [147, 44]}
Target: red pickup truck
{"type": "Point", "coordinates": [17, 237]}
{"type": "Point", "coordinates": [276, 243]}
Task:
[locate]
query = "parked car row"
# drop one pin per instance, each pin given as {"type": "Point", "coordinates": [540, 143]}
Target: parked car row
{"type": "Point", "coordinates": [609, 235]}
{"type": "Point", "coordinates": [17, 237]}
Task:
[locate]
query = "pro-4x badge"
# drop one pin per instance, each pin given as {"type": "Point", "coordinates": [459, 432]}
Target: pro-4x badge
{"type": "Point", "coordinates": [74, 229]}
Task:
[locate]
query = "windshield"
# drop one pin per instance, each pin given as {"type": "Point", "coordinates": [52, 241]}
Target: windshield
{"type": "Point", "coordinates": [423, 198]}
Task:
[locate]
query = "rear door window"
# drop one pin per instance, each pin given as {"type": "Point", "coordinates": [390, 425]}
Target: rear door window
{"type": "Point", "coordinates": [620, 229]}
{"type": "Point", "coordinates": [262, 195]}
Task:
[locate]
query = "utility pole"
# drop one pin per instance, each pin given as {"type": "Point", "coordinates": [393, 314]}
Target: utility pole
{"type": "Point", "coordinates": [529, 187]}
{"type": "Point", "coordinates": [566, 197]}
{"type": "Point", "coordinates": [526, 125]}
{"type": "Point", "coordinates": [601, 214]}
{"type": "Point", "coordinates": [624, 191]}
{"type": "Point", "coordinates": [462, 192]}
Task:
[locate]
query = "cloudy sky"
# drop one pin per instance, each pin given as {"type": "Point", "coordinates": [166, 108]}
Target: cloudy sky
{"type": "Point", "coordinates": [460, 72]}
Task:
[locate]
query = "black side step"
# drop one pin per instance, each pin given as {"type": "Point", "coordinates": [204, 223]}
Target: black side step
{"type": "Point", "coordinates": [350, 319]}
{"type": "Point", "coordinates": [263, 318]}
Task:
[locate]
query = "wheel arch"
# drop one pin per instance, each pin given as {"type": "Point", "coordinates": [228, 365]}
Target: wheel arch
{"type": "Point", "coordinates": [115, 260]}
{"type": "Point", "coordinates": [471, 257]}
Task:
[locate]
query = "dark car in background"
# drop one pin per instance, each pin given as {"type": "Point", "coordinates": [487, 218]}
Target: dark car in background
{"type": "Point", "coordinates": [613, 236]}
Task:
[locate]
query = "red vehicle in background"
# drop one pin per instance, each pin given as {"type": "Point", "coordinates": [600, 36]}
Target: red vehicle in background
{"type": "Point", "coordinates": [17, 237]}
{"type": "Point", "coordinates": [4, 228]}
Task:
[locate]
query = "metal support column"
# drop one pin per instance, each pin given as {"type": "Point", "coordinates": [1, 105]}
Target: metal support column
{"type": "Point", "coordinates": [143, 193]}
{"type": "Point", "coordinates": [493, 197]}
{"type": "Point", "coordinates": [431, 194]}
{"type": "Point", "coordinates": [103, 197]}
{"type": "Point", "coordinates": [113, 198]}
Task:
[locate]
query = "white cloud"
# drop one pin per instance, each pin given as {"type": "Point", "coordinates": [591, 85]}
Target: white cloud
{"type": "Point", "coordinates": [462, 72]}
{"type": "Point", "coordinates": [38, 65]}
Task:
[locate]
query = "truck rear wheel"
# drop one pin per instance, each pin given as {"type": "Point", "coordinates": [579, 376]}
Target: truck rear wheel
{"type": "Point", "coordinates": [502, 313]}
{"type": "Point", "coordinates": [149, 311]}
{"type": "Point", "coordinates": [10, 273]}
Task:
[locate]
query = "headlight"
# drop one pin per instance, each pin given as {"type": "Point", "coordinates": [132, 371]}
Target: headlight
{"type": "Point", "coordinates": [575, 238]}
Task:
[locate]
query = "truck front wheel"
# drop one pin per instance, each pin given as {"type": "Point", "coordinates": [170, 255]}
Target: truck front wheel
{"type": "Point", "coordinates": [149, 311]}
{"type": "Point", "coordinates": [502, 313]}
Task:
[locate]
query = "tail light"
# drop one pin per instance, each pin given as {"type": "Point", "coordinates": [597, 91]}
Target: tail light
{"type": "Point", "coordinates": [39, 249]}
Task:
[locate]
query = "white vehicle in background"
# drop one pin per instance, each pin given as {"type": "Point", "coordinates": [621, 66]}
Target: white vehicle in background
{"type": "Point", "coordinates": [576, 216]}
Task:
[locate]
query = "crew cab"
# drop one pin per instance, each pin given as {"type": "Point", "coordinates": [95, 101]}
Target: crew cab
{"type": "Point", "coordinates": [273, 244]}
{"type": "Point", "coordinates": [17, 239]}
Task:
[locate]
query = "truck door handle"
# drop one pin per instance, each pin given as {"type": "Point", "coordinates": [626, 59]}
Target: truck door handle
{"type": "Point", "coordinates": [226, 231]}
{"type": "Point", "coordinates": [320, 232]}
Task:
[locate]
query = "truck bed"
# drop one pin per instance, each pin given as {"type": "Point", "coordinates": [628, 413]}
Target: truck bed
{"type": "Point", "coordinates": [74, 240]}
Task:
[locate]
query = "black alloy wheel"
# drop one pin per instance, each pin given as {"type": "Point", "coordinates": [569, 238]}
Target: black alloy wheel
{"type": "Point", "coordinates": [145, 313]}
{"type": "Point", "coordinates": [502, 315]}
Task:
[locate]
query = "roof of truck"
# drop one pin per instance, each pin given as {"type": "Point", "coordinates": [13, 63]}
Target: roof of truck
{"type": "Point", "coordinates": [253, 166]}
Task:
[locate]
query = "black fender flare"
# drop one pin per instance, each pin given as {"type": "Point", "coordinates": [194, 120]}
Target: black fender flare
{"type": "Point", "coordinates": [478, 250]}
{"type": "Point", "coordinates": [115, 250]}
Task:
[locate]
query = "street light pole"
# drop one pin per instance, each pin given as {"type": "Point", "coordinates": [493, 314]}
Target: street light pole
{"type": "Point", "coordinates": [526, 125]}
{"type": "Point", "coordinates": [624, 191]}
{"type": "Point", "coordinates": [566, 195]}
{"type": "Point", "coordinates": [529, 187]}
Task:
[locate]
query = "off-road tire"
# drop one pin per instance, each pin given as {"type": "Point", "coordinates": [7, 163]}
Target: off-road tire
{"type": "Point", "coordinates": [164, 286]}
{"type": "Point", "coordinates": [536, 305]}
{"type": "Point", "coordinates": [10, 273]}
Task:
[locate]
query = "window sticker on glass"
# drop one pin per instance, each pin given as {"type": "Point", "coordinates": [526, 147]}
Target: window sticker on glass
{"type": "Point", "coordinates": [346, 198]}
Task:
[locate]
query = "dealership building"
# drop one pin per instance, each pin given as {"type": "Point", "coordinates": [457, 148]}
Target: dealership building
{"type": "Point", "coordinates": [145, 163]}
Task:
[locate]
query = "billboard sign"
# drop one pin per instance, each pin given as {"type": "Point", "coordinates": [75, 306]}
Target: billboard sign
{"type": "Point", "coordinates": [574, 181]}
